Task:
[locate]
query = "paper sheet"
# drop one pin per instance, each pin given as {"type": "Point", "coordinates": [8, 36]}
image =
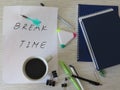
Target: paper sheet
{"type": "Point", "coordinates": [23, 39]}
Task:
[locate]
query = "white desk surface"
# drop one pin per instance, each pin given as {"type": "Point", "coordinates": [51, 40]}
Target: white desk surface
{"type": "Point", "coordinates": [67, 10]}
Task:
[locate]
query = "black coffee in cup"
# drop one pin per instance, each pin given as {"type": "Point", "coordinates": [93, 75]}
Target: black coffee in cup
{"type": "Point", "coordinates": [35, 68]}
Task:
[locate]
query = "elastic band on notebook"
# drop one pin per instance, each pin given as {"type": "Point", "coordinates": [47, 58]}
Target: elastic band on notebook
{"type": "Point", "coordinates": [97, 13]}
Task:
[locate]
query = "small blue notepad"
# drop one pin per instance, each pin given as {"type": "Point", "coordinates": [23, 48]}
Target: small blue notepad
{"type": "Point", "coordinates": [83, 9]}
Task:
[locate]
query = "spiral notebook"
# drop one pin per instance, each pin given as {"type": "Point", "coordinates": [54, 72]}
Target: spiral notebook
{"type": "Point", "coordinates": [101, 31]}
{"type": "Point", "coordinates": [85, 9]}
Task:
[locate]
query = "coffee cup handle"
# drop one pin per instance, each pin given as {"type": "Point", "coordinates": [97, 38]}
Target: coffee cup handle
{"type": "Point", "coordinates": [49, 58]}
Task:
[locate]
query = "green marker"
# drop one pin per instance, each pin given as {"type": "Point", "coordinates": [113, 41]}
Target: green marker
{"type": "Point", "coordinates": [68, 72]}
{"type": "Point", "coordinates": [34, 21]}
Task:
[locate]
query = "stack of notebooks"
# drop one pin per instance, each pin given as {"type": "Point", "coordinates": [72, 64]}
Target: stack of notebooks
{"type": "Point", "coordinates": [99, 35]}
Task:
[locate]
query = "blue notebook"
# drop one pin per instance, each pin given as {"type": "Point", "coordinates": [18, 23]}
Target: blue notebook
{"type": "Point", "coordinates": [101, 31]}
{"type": "Point", "coordinates": [83, 9]}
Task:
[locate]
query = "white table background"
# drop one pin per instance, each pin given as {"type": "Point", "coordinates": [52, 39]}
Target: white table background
{"type": "Point", "coordinates": [68, 10]}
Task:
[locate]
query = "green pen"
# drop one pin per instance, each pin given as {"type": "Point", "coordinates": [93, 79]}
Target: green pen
{"type": "Point", "coordinates": [69, 73]}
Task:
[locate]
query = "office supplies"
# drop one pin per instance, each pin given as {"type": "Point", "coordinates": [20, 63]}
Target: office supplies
{"type": "Point", "coordinates": [65, 83]}
{"type": "Point", "coordinates": [62, 19]}
{"type": "Point", "coordinates": [102, 73]}
{"type": "Point", "coordinates": [42, 4]}
{"type": "Point", "coordinates": [75, 73]}
{"type": "Point", "coordinates": [101, 33]}
{"type": "Point", "coordinates": [65, 37]}
{"type": "Point", "coordinates": [52, 81]}
{"type": "Point", "coordinates": [34, 21]}
{"type": "Point", "coordinates": [90, 81]}
{"type": "Point", "coordinates": [66, 22]}
{"type": "Point", "coordinates": [81, 78]}
{"type": "Point", "coordinates": [54, 74]}
{"type": "Point", "coordinates": [85, 9]}
{"type": "Point", "coordinates": [24, 40]}
{"type": "Point", "coordinates": [69, 73]}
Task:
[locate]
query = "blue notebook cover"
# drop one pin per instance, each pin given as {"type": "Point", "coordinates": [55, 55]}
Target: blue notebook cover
{"type": "Point", "coordinates": [83, 9]}
{"type": "Point", "coordinates": [102, 34]}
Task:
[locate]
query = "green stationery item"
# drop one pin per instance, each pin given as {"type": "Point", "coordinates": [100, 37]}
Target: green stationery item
{"type": "Point", "coordinates": [34, 21]}
{"type": "Point", "coordinates": [102, 73]}
{"type": "Point", "coordinates": [69, 73]}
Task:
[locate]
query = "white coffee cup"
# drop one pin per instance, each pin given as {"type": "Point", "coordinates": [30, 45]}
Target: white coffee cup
{"type": "Point", "coordinates": [36, 68]}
